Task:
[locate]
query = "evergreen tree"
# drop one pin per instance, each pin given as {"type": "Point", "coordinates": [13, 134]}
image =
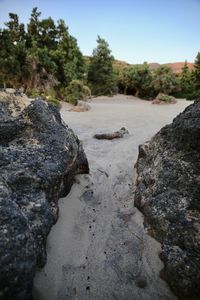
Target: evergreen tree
{"type": "Point", "coordinates": [196, 73]}
{"type": "Point", "coordinates": [100, 74]}
{"type": "Point", "coordinates": [6, 49]}
{"type": "Point", "coordinates": [48, 34]}
{"type": "Point", "coordinates": [12, 52]}
{"type": "Point", "coordinates": [186, 79]}
{"type": "Point", "coordinates": [40, 67]}
{"type": "Point", "coordinates": [164, 80]}
{"type": "Point", "coordinates": [16, 30]}
{"type": "Point", "coordinates": [43, 57]}
{"type": "Point", "coordinates": [68, 57]}
{"type": "Point", "coordinates": [52, 51]}
{"type": "Point", "coordinates": [33, 35]}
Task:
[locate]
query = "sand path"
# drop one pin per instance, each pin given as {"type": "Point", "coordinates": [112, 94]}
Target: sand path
{"type": "Point", "coordinates": [98, 249]}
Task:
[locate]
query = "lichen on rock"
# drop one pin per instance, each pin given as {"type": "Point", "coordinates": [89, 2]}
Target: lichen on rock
{"type": "Point", "coordinates": [168, 194]}
{"type": "Point", "coordinates": [39, 157]}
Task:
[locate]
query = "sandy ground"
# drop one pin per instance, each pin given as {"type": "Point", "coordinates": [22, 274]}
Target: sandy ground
{"type": "Point", "coordinates": [99, 249]}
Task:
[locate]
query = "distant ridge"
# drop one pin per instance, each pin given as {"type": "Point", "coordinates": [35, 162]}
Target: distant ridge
{"type": "Point", "coordinates": [176, 66]}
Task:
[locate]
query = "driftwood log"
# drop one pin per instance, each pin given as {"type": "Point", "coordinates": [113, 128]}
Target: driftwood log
{"type": "Point", "coordinates": [110, 136]}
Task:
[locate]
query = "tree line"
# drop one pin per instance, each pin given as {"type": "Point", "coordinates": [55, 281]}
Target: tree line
{"type": "Point", "coordinates": [44, 59]}
{"type": "Point", "coordinates": [143, 82]}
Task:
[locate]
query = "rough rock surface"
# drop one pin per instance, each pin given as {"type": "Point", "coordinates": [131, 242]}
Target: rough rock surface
{"type": "Point", "coordinates": [168, 194]}
{"type": "Point", "coordinates": [39, 157]}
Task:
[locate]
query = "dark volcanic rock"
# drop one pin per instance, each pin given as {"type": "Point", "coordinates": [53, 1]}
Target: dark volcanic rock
{"type": "Point", "coordinates": [39, 157]}
{"type": "Point", "coordinates": [168, 194]}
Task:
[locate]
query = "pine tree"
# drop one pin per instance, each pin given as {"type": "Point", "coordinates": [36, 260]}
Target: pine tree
{"type": "Point", "coordinates": [196, 72]}
{"type": "Point", "coordinates": [186, 79]}
{"type": "Point", "coordinates": [12, 52]}
{"type": "Point", "coordinates": [164, 80]}
{"type": "Point", "coordinates": [33, 27]}
{"type": "Point", "coordinates": [100, 74]}
{"type": "Point", "coordinates": [67, 56]}
{"type": "Point", "coordinates": [42, 57]}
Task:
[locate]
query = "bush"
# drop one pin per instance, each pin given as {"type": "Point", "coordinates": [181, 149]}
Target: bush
{"type": "Point", "coordinates": [55, 102]}
{"type": "Point", "coordinates": [164, 80]}
{"type": "Point", "coordinates": [188, 96]}
{"type": "Point", "coordinates": [33, 93]}
{"type": "Point", "coordinates": [193, 95]}
{"type": "Point", "coordinates": [48, 96]}
{"type": "Point", "coordinates": [77, 91]}
{"type": "Point", "coordinates": [163, 98]}
{"type": "Point", "coordinates": [51, 93]}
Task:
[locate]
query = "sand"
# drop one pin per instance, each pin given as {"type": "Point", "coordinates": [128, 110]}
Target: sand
{"type": "Point", "coordinates": [99, 249]}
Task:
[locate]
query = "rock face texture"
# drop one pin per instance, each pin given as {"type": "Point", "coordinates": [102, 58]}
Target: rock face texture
{"type": "Point", "coordinates": [168, 194]}
{"type": "Point", "coordinates": [39, 157]}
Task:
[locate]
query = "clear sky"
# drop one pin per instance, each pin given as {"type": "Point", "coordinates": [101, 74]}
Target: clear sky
{"type": "Point", "coordinates": [137, 30]}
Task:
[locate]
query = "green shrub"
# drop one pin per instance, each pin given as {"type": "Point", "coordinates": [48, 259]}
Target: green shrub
{"type": "Point", "coordinates": [33, 93]}
{"type": "Point", "coordinates": [188, 95]}
{"type": "Point", "coordinates": [164, 80]}
{"type": "Point", "coordinates": [50, 93]}
{"type": "Point", "coordinates": [165, 98]}
{"type": "Point", "coordinates": [77, 91]}
{"type": "Point", "coordinates": [55, 102]}
{"type": "Point", "coordinates": [193, 95]}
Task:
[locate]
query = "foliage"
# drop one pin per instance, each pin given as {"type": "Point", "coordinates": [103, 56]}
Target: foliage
{"type": "Point", "coordinates": [164, 80]}
{"type": "Point", "coordinates": [33, 93]}
{"type": "Point", "coordinates": [193, 95]}
{"type": "Point", "coordinates": [196, 73]}
{"type": "Point", "coordinates": [187, 88]}
{"type": "Point", "coordinates": [186, 79]}
{"type": "Point", "coordinates": [165, 98]}
{"type": "Point", "coordinates": [50, 93]}
{"type": "Point", "coordinates": [101, 76]}
{"type": "Point", "coordinates": [77, 91]}
{"type": "Point", "coordinates": [68, 58]}
{"type": "Point", "coordinates": [136, 80]}
{"type": "Point", "coordinates": [12, 52]}
{"type": "Point", "coordinates": [43, 57]}
{"type": "Point", "coordinates": [55, 102]}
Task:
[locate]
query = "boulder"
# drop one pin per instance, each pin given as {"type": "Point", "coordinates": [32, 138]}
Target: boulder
{"type": "Point", "coordinates": [39, 157]}
{"type": "Point", "coordinates": [110, 136]}
{"type": "Point", "coordinates": [82, 106]}
{"type": "Point", "coordinates": [168, 194]}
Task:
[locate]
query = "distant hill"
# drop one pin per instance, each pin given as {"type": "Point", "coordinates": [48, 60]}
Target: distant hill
{"type": "Point", "coordinates": [176, 67]}
{"type": "Point", "coordinates": [154, 66]}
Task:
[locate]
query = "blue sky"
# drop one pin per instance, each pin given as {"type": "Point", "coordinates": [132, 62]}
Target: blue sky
{"type": "Point", "coordinates": [155, 31]}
